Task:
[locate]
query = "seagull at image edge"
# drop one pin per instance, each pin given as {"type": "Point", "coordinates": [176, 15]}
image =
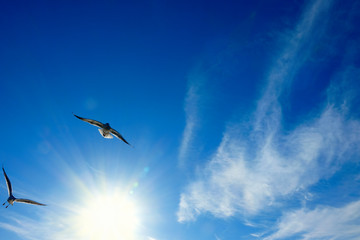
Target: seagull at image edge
{"type": "Point", "coordinates": [12, 199]}
{"type": "Point", "coordinates": [104, 129]}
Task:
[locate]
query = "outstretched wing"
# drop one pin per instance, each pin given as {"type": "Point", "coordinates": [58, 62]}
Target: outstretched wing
{"type": "Point", "coordinates": [8, 183]}
{"type": "Point", "coordinates": [92, 122]}
{"type": "Point", "coordinates": [118, 135]}
{"type": "Point", "coordinates": [28, 201]}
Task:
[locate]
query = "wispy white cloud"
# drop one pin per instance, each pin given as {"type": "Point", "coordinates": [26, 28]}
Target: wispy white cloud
{"type": "Point", "coordinates": [28, 228]}
{"type": "Point", "coordinates": [298, 46]}
{"type": "Point", "coordinates": [192, 102]}
{"type": "Point", "coordinates": [247, 175]}
{"type": "Point", "coordinates": [217, 238]}
{"type": "Point", "coordinates": [15, 229]}
{"type": "Point", "coordinates": [234, 183]}
{"type": "Point", "coordinates": [320, 223]}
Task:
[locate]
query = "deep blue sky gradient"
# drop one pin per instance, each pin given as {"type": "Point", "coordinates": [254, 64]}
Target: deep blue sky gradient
{"type": "Point", "coordinates": [132, 64]}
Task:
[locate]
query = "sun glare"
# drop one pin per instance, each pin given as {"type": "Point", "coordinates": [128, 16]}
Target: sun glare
{"type": "Point", "coordinates": [108, 217]}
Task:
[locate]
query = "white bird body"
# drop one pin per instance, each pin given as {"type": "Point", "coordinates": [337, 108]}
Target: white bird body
{"type": "Point", "coordinates": [105, 133]}
{"type": "Point", "coordinates": [11, 199]}
{"type": "Point", "coordinates": [104, 129]}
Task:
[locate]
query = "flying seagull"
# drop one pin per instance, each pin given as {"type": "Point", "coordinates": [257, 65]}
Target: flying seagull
{"type": "Point", "coordinates": [104, 129]}
{"type": "Point", "coordinates": [12, 199]}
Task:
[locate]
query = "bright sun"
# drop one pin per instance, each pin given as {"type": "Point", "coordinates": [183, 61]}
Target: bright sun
{"type": "Point", "coordinates": [111, 217]}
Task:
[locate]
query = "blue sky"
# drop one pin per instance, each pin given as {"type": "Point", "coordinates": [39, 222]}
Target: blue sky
{"type": "Point", "coordinates": [243, 116]}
